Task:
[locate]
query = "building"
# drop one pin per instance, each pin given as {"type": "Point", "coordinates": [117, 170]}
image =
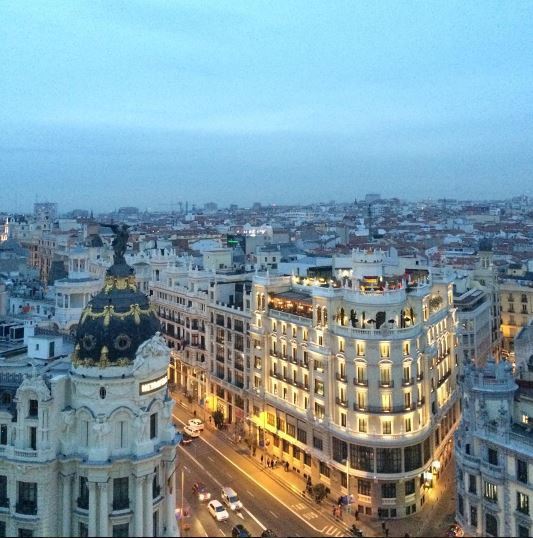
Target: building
{"type": "Point", "coordinates": [87, 444]}
{"type": "Point", "coordinates": [494, 450]}
{"type": "Point", "coordinates": [351, 380]}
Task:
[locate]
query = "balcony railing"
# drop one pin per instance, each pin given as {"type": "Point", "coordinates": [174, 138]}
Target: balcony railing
{"type": "Point", "coordinates": [386, 383]}
{"type": "Point", "coordinates": [339, 401]}
{"type": "Point", "coordinates": [121, 504]}
{"type": "Point", "coordinates": [83, 503]}
{"type": "Point", "coordinates": [360, 382]}
{"type": "Point", "coordinates": [408, 381]}
{"type": "Point", "coordinates": [341, 377]}
{"type": "Point", "coordinates": [28, 508]}
{"type": "Point", "coordinates": [444, 378]}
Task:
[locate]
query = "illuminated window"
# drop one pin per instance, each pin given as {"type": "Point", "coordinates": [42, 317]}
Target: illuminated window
{"type": "Point", "coordinates": [387, 427]}
{"type": "Point", "coordinates": [360, 349]}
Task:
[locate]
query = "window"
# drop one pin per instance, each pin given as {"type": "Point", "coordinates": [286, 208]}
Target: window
{"type": "Point", "coordinates": [344, 479]}
{"type": "Point", "coordinates": [280, 424]}
{"type": "Point", "coordinates": [523, 532]}
{"type": "Point", "coordinates": [491, 525]}
{"type": "Point", "coordinates": [406, 347]}
{"type": "Point", "coordinates": [407, 425]}
{"type": "Point", "coordinates": [27, 498]}
{"type": "Point", "coordinates": [153, 425]}
{"type": "Point", "coordinates": [384, 350]}
{"type": "Point", "coordinates": [360, 349]}
{"type": "Point", "coordinates": [521, 470]}
{"type": "Point", "coordinates": [307, 459]}
{"type": "Point", "coordinates": [83, 499]}
{"type": "Point", "coordinates": [362, 425]}
{"type": "Point", "coordinates": [473, 516]}
{"type": "Point", "coordinates": [413, 457]}
{"type": "Point", "coordinates": [319, 410]}
{"type": "Point", "coordinates": [362, 458]}
{"type": "Point", "coordinates": [25, 533]}
{"type": "Point", "coordinates": [388, 490]}
{"type": "Point", "coordinates": [492, 456]}
{"type": "Point", "coordinates": [34, 408]}
{"type": "Point", "coordinates": [83, 530]}
{"type": "Point", "coordinates": [343, 420]}
{"type": "Point", "coordinates": [410, 486]}
{"type": "Point", "coordinates": [296, 452]}
{"type": "Point", "coordinates": [122, 530]}
{"type": "Point", "coordinates": [271, 419]}
{"type": "Point", "coordinates": [384, 376]}
{"type": "Point", "coordinates": [387, 427]}
{"type": "Point", "coordinates": [472, 484]}
{"type": "Point", "coordinates": [319, 387]}
{"type": "Point", "coordinates": [285, 446]}
{"type": "Point", "coordinates": [3, 434]}
{"type": "Point", "coordinates": [291, 430]}
{"type": "Point", "coordinates": [522, 502]}
{"type": "Point", "coordinates": [407, 400]}
{"type": "Point", "coordinates": [361, 400]}
{"type": "Point", "coordinates": [302, 436]}
{"type": "Point", "coordinates": [389, 460]}
{"type": "Point", "coordinates": [317, 443]}
{"type": "Point", "coordinates": [121, 499]}
{"type": "Point", "coordinates": [460, 505]}
{"type": "Point", "coordinates": [33, 438]}
{"type": "Point", "coordinates": [4, 501]}
{"type": "Point", "coordinates": [363, 487]}
{"type": "Point", "coordinates": [490, 491]}
{"type": "Point", "coordinates": [340, 450]}
{"type": "Point", "coordinates": [324, 469]}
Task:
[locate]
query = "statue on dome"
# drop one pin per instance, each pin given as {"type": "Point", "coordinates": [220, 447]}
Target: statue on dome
{"type": "Point", "coordinates": [120, 242]}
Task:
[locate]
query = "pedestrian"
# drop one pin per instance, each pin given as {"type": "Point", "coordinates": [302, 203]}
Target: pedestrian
{"type": "Point", "coordinates": [335, 512]}
{"type": "Point", "coordinates": [287, 466]}
{"type": "Point", "coordinates": [194, 412]}
{"type": "Point", "coordinates": [383, 526]}
{"type": "Point", "coordinates": [356, 515]}
{"type": "Point", "coordinates": [386, 533]}
{"type": "Point", "coordinates": [268, 462]}
{"type": "Point", "coordinates": [261, 459]}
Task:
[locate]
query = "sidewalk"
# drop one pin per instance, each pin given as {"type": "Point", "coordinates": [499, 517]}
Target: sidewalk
{"type": "Point", "coordinates": [433, 520]}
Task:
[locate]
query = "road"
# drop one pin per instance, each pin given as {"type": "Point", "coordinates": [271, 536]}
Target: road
{"type": "Point", "coordinates": [266, 504]}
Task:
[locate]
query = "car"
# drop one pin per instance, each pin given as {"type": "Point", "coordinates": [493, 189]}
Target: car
{"type": "Point", "coordinates": [230, 498]}
{"type": "Point", "coordinates": [186, 439]}
{"type": "Point", "coordinates": [191, 432]}
{"type": "Point", "coordinates": [201, 491]}
{"type": "Point", "coordinates": [268, 533]}
{"type": "Point", "coordinates": [196, 424]}
{"type": "Point", "coordinates": [455, 531]}
{"type": "Point", "coordinates": [217, 510]}
{"type": "Point", "coordinates": [240, 531]}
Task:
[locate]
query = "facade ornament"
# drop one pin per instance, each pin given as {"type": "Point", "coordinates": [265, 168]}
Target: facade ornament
{"type": "Point", "coordinates": [35, 384]}
{"type": "Point", "coordinates": [101, 430]}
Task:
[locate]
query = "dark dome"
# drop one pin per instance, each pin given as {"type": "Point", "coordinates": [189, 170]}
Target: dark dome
{"type": "Point", "coordinates": [115, 322]}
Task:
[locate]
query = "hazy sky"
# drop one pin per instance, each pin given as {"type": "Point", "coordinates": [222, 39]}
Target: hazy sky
{"type": "Point", "coordinates": [109, 103]}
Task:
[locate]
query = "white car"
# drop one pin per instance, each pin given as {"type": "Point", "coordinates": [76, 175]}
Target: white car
{"type": "Point", "coordinates": [217, 510]}
{"type": "Point", "coordinates": [191, 432]}
{"type": "Point", "coordinates": [196, 424]}
{"type": "Point", "coordinates": [231, 498]}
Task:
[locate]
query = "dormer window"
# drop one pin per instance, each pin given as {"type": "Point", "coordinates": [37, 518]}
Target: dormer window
{"type": "Point", "coordinates": [34, 408]}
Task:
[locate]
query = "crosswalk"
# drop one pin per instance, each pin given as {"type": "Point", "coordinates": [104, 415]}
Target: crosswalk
{"type": "Point", "coordinates": [305, 512]}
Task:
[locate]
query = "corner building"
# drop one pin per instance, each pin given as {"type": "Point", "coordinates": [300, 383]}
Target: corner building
{"type": "Point", "coordinates": [88, 445]}
{"type": "Point", "coordinates": [354, 381]}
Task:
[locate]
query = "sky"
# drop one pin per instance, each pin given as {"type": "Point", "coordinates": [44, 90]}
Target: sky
{"type": "Point", "coordinates": [148, 103]}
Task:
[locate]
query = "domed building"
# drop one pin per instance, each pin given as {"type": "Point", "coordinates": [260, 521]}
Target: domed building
{"type": "Point", "coordinates": [91, 447]}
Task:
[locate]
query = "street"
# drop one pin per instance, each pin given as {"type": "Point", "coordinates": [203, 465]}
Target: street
{"type": "Point", "coordinates": [266, 503]}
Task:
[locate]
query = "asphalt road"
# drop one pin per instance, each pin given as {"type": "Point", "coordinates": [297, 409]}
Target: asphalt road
{"type": "Point", "coordinates": [266, 504]}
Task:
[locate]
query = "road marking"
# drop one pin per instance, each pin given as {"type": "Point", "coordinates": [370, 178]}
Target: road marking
{"type": "Point", "coordinates": [240, 515]}
{"type": "Point", "coordinates": [210, 458]}
{"type": "Point", "coordinates": [219, 484]}
{"type": "Point", "coordinates": [253, 480]}
{"type": "Point", "coordinates": [310, 515]}
{"type": "Point", "coordinates": [299, 506]}
{"type": "Point", "coordinates": [250, 493]}
{"type": "Point", "coordinates": [222, 532]}
{"type": "Point", "coordinates": [275, 515]}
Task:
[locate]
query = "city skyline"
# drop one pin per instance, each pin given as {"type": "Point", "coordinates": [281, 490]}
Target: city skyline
{"type": "Point", "coordinates": [299, 102]}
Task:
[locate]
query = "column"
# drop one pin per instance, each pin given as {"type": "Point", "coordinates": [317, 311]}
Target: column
{"type": "Point", "coordinates": [170, 498]}
{"type": "Point", "coordinates": [148, 507]}
{"type": "Point", "coordinates": [139, 531]}
{"type": "Point", "coordinates": [67, 505]}
{"type": "Point", "coordinates": [104, 508]}
{"type": "Point", "coordinates": [92, 508]}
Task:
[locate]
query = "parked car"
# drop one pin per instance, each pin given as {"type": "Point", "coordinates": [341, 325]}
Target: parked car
{"type": "Point", "coordinates": [191, 432]}
{"type": "Point", "coordinates": [201, 491]}
{"type": "Point", "coordinates": [455, 531]}
{"type": "Point", "coordinates": [217, 510]}
{"type": "Point", "coordinates": [196, 424]}
{"type": "Point", "coordinates": [240, 531]}
{"type": "Point", "coordinates": [230, 498]}
{"type": "Point", "coordinates": [268, 533]}
{"type": "Point", "coordinates": [186, 439]}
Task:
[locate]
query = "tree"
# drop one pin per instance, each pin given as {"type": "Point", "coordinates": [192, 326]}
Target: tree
{"type": "Point", "coordinates": [218, 418]}
{"type": "Point", "coordinates": [320, 491]}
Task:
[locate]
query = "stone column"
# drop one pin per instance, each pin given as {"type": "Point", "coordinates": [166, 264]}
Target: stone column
{"type": "Point", "coordinates": [104, 508]}
{"type": "Point", "coordinates": [148, 507]}
{"type": "Point", "coordinates": [139, 531]}
{"type": "Point", "coordinates": [169, 492]}
{"type": "Point", "coordinates": [67, 505]}
{"type": "Point", "coordinates": [92, 508]}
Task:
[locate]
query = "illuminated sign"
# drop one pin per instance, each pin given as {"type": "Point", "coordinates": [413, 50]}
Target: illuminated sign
{"type": "Point", "coordinates": [154, 384]}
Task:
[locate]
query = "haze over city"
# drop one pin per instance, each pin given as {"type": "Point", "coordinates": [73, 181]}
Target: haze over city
{"type": "Point", "coordinates": [273, 102]}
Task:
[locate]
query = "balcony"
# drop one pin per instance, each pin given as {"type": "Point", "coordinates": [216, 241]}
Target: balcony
{"type": "Point", "coordinates": [357, 407]}
{"type": "Point", "coordinates": [386, 383]}
{"type": "Point", "coordinates": [360, 382]}
{"type": "Point", "coordinates": [407, 382]}
{"type": "Point", "coordinates": [339, 401]}
{"type": "Point", "coordinates": [444, 378]}
{"type": "Point", "coordinates": [275, 374]}
{"type": "Point", "coordinates": [340, 377]}
{"type": "Point", "coordinates": [121, 504]}
{"type": "Point", "coordinates": [28, 508]}
{"type": "Point", "coordinates": [83, 503]}
{"type": "Point", "coordinates": [491, 470]}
